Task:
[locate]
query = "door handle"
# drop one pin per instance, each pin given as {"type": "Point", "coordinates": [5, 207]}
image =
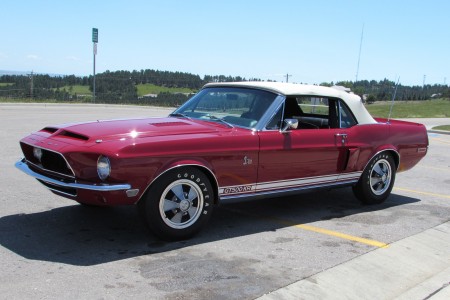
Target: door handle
{"type": "Point", "coordinates": [343, 137]}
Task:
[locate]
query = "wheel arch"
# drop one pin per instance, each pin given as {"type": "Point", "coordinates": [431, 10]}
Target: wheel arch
{"type": "Point", "coordinates": [198, 165]}
{"type": "Point", "coordinates": [391, 150]}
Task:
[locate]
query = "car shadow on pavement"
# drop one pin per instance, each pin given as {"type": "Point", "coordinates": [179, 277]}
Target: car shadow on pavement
{"type": "Point", "coordinates": [82, 236]}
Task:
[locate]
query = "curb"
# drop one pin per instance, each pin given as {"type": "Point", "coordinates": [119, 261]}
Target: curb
{"type": "Point", "coordinates": [417, 266]}
{"type": "Point", "coordinates": [439, 131]}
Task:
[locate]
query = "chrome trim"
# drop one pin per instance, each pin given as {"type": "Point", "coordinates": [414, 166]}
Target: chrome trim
{"type": "Point", "coordinates": [390, 149]}
{"type": "Point", "coordinates": [282, 192]}
{"type": "Point", "coordinates": [271, 111]}
{"type": "Point", "coordinates": [22, 166]}
{"type": "Point", "coordinates": [48, 186]}
{"type": "Point", "coordinates": [67, 163]}
{"type": "Point", "coordinates": [50, 171]}
{"type": "Point", "coordinates": [338, 113]}
{"type": "Point", "coordinates": [422, 150]}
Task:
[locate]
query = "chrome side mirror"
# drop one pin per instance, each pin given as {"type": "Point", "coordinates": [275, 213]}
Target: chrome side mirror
{"type": "Point", "coordinates": [289, 124]}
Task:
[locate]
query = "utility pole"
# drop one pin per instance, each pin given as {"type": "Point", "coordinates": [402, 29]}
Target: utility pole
{"type": "Point", "coordinates": [287, 77]}
{"type": "Point", "coordinates": [31, 84]}
{"type": "Point", "coordinates": [424, 77]}
{"type": "Point", "coordinates": [94, 41]}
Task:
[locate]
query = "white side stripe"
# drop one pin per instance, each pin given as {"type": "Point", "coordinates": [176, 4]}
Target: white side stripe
{"type": "Point", "coordinates": [287, 184]}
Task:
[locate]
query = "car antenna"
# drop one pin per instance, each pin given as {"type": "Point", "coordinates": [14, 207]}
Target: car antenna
{"type": "Point", "coordinates": [393, 99]}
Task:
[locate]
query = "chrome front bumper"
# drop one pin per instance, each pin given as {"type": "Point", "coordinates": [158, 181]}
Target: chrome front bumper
{"type": "Point", "coordinates": [22, 166]}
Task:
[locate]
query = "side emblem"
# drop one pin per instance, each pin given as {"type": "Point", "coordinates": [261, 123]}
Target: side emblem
{"type": "Point", "coordinates": [247, 161]}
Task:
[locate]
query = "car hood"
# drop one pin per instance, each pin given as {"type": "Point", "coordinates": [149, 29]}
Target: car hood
{"type": "Point", "coordinates": [105, 130]}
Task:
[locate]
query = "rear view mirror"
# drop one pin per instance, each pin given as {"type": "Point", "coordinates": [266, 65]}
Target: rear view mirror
{"type": "Point", "coordinates": [289, 124]}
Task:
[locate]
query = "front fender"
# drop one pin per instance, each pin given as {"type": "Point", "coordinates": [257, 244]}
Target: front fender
{"type": "Point", "coordinates": [178, 163]}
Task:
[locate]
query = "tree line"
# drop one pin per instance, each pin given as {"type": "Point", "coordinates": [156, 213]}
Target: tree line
{"type": "Point", "coordinates": [384, 89]}
{"type": "Point", "coordinates": [120, 87]}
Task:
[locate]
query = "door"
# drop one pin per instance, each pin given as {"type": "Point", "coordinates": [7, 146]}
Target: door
{"type": "Point", "coordinates": [313, 155]}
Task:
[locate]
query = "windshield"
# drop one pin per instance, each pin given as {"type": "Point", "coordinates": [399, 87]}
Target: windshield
{"type": "Point", "coordinates": [233, 106]}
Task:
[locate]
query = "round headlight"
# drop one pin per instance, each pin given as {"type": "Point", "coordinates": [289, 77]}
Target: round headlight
{"type": "Point", "coordinates": [103, 167]}
{"type": "Point", "coordinates": [37, 152]}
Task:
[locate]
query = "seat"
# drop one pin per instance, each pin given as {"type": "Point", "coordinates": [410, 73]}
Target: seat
{"type": "Point", "coordinates": [292, 109]}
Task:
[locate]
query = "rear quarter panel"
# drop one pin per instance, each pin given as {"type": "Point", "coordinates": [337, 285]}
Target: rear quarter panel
{"type": "Point", "coordinates": [409, 140]}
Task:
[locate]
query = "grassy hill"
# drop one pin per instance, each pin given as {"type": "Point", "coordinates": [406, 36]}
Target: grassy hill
{"type": "Point", "coordinates": [77, 89]}
{"type": "Point", "coordinates": [142, 89]}
{"type": "Point", "coordinates": [148, 88]}
{"type": "Point", "coordinates": [411, 109]}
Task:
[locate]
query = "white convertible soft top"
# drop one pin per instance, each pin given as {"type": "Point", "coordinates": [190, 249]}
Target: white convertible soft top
{"type": "Point", "coordinates": [292, 89]}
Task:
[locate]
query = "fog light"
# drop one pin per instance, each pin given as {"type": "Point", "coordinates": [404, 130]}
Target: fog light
{"type": "Point", "coordinates": [37, 152]}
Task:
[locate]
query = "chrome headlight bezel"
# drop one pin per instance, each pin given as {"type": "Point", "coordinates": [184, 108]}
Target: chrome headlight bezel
{"type": "Point", "coordinates": [103, 167]}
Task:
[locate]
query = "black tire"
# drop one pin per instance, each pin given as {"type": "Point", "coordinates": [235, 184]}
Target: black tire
{"type": "Point", "coordinates": [377, 180]}
{"type": "Point", "coordinates": [178, 204]}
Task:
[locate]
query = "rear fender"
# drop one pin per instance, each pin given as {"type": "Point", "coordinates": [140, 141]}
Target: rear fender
{"type": "Point", "coordinates": [386, 148]}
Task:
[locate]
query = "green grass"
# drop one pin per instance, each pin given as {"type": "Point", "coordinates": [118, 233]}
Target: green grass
{"type": "Point", "coordinates": [26, 100]}
{"type": "Point", "coordinates": [77, 89]}
{"type": "Point", "coordinates": [5, 84]}
{"type": "Point", "coordinates": [442, 127]}
{"type": "Point", "coordinates": [411, 109]}
{"type": "Point", "coordinates": [148, 88]}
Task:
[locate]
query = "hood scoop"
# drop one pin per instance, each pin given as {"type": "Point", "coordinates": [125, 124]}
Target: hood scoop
{"type": "Point", "coordinates": [50, 129]}
{"type": "Point", "coordinates": [73, 135]}
{"type": "Point", "coordinates": [54, 131]}
{"type": "Point", "coordinates": [169, 123]}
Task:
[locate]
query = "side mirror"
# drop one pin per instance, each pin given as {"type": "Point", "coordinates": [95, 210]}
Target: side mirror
{"type": "Point", "coordinates": [289, 124]}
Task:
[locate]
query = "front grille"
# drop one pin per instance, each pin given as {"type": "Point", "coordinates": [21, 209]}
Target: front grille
{"type": "Point", "coordinates": [54, 175]}
{"type": "Point", "coordinates": [51, 162]}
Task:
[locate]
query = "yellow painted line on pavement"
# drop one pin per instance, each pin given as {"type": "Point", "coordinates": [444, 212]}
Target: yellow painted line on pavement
{"type": "Point", "coordinates": [334, 233]}
{"type": "Point", "coordinates": [317, 230]}
{"type": "Point", "coordinates": [343, 236]}
{"type": "Point", "coordinates": [422, 193]}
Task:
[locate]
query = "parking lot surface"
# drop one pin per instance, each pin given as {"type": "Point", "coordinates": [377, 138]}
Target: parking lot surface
{"type": "Point", "coordinates": [52, 248]}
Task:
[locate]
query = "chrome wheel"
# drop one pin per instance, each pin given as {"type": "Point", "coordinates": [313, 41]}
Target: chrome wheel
{"type": "Point", "coordinates": [377, 179]}
{"type": "Point", "coordinates": [181, 204]}
{"type": "Point", "coordinates": [380, 177]}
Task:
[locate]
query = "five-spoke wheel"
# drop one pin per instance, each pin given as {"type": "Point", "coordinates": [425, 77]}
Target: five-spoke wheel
{"type": "Point", "coordinates": [181, 203]}
{"type": "Point", "coordinates": [377, 180]}
{"type": "Point", "coordinates": [380, 177]}
{"type": "Point", "coordinates": [178, 204]}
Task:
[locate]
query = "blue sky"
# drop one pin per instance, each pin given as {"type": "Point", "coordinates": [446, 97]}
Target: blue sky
{"type": "Point", "coordinates": [314, 41]}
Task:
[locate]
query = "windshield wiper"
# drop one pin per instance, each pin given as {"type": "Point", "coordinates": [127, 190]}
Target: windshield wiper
{"type": "Point", "coordinates": [214, 118]}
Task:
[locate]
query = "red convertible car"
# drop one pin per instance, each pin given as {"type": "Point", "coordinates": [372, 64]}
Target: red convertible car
{"type": "Point", "coordinates": [231, 140]}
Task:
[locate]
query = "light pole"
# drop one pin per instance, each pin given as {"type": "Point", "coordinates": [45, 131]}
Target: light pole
{"type": "Point", "coordinates": [94, 41]}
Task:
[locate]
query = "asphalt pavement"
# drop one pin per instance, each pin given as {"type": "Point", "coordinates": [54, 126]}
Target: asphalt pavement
{"type": "Point", "coordinates": [322, 245]}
